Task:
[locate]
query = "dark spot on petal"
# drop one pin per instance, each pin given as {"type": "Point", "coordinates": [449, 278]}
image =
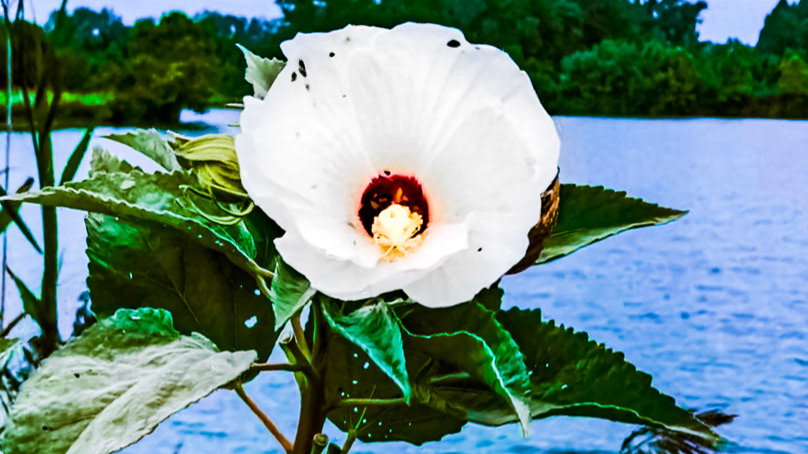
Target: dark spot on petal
{"type": "Point", "coordinates": [477, 47]}
{"type": "Point", "coordinates": [294, 76]}
{"type": "Point", "coordinates": [344, 96]}
{"type": "Point", "coordinates": [387, 172]}
{"type": "Point", "coordinates": [307, 87]}
{"type": "Point", "coordinates": [297, 133]}
{"type": "Point", "coordinates": [347, 39]}
{"type": "Point", "coordinates": [76, 375]}
{"type": "Point", "coordinates": [453, 43]}
{"type": "Point", "coordinates": [479, 249]}
{"type": "Point", "coordinates": [331, 54]}
{"type": "Point", "coordinates": [301, 67]}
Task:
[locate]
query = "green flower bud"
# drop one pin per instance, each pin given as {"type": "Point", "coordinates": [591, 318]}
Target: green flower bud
{"type": "Point", "coordinates": [212, 158]}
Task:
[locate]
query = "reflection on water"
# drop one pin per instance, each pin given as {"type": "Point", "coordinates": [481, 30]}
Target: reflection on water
{"type": "Point", "coordinates": [714, 306]}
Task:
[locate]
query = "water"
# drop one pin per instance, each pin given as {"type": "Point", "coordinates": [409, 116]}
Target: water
{"type": "Point", "coordinates": [714, 306]}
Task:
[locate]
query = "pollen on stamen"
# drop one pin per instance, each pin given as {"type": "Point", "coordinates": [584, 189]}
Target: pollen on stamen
{"type": "Point", "coordinates": [395, 231]}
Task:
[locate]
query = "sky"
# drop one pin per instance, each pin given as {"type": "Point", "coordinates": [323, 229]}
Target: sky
{"type": "Point", "coordinates": [724, 19]}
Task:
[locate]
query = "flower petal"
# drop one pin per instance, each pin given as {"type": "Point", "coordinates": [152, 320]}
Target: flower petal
{"type": "Point", "coordinates": [467, 272]}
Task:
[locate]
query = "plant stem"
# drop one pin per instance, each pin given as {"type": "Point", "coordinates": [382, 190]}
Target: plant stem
{"type": "Point", "coordinates": [312, 394]}
{"type": "Point", "coordinates": [259, 367]}
{"type": "Point", "coordinates": [11, 325]}
{"type": "Point", "coordinates": [50, 231]}
{"type": "Point", "coordinates": [349, 441]}
{"type": "Point", "coordinates": [300, 337]}
{"type": "Point", "coordinates": [9, 130]}
{"type": "Point", "coordinates": [273, 429]}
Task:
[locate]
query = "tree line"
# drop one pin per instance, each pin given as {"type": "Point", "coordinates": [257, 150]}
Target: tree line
{"type": "Point", "coordinates": [585, 57]}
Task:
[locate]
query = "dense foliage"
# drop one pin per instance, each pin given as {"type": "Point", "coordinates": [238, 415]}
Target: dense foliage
{"type": "Point", "coordinates": [585, 57]}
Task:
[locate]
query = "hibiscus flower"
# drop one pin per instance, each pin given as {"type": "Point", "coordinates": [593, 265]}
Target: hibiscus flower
{"type": "Point", "coordinates": [402, 159]}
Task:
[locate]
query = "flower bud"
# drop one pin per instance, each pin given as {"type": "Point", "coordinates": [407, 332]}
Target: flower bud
{"type": "Point", "coordinates": [212, 158]}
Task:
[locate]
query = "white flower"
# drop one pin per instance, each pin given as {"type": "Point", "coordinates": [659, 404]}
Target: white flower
{"type": "Point", "coordinates": [398, 159]}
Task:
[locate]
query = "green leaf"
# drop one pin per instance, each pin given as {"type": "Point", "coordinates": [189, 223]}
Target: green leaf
{"type": "Point", "coordinates": [588, 214]}
{"type": "Point", "coordinates": [73, 163]}
{"type": "Point", "coordinates": [352, 374]}
{"type": "Point", "coordinates": [469, 338]}
{"type": "Point", "coordinates": [289, 292]}
{"type": "Point", "coordinates": [261, 72]}
{"type": "Point", "coordinates": [106, 162]}
{"type": "Point", "coordinates": [145, 265]}
{"type": "Point", "coordinates": [10, 213]}
{"type": "Point", "coordinates": [151, 144]}
{"type": "Point", "coordinates": [30, 302]}
{"type": "Point", "coordinates": [375, 330]}
{"type": "Point", "coordinates": [160, 198]}
{"type": "Point", "coordinates": [575, 376]}
{"type": "Point", "coordinates": [570, 375]}
{"type": "Point", "coordinates": [113, 385]}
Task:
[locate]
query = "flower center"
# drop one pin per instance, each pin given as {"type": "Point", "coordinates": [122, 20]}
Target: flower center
{"type": "Point", "coordinates": [394, 212]}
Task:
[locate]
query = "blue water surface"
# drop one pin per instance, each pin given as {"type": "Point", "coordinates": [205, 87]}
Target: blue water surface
{"type": "Point", "coordinates": [714, 306]}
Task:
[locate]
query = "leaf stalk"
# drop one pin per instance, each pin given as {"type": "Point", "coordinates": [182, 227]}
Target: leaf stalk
{"type": "Point", "coordinates": [268, 423]}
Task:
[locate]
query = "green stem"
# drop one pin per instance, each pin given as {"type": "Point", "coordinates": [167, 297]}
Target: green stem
{"type": "Point", "coordinates": [50, 229]}
{"type": "Point", "coordinates": [348, 442]}
{"type": "Point", "coordinates": [300, 336]}
{"type": "Point", "coordinates": [312, 395]}
{"type": "Point", "coordinates": [259, 367]}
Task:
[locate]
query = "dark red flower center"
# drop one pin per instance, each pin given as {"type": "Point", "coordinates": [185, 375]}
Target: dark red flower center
{"type": "Point", "coordinates": [388, 189]}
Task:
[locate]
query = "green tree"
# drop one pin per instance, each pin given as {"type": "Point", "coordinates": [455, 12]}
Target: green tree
{"type": "Point", "coordinates": [88, 42]}
{"type": "Point", "coordinates": [172, 66]}
{"type": "Point", "coordinates": [793, 75]}
{"type": "Point", "coordinates": [785, 28]}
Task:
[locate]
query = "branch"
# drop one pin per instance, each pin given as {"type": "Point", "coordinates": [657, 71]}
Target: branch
{"type": "Point", "coordinates": [348, 442]}
{"type": "Point", "coordinates": [259, 367]}
{"type": "Point", "coordinates": [293, 353]}
{"type": "Point", "coordinates": [273, 429]}
{"type": "Point", "coordinates": [300, 336]}
{"type": "Point", "coordinates": [11, 325]}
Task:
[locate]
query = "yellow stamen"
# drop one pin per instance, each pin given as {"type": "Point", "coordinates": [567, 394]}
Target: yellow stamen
{"type": "Point", "coordinates": [395, 231]}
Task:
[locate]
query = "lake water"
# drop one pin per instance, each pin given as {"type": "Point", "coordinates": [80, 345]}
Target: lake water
{"type": "Point", "coordinates": [714, 306]}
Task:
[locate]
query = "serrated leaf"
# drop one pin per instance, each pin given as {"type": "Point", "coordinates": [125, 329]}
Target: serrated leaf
{"type": "Point", "coordinates": [261, 72]}
{"type": "Point", "coordinates": [145, 265]}
{"type": "Point", "coordinates": [289, 292]}
{"type": "Point", "coordinates": [571, 375]}
{"type": "Point", "coordinates": [375, 330]}
{"type": "Point", "coordinates": [151, 144]}
{"type": "Point", "coordinates": [10, 213]}
{"type": "Point", "coordinates": [575, 376]}
{"type": "Point", "coordinates": [73, 163]}
{"type": "Point", "coordinates": [142, 197]}
{"type": "Point", "coordinates": [104, 161]}
{"type": "Point", "coordinates": [588, 214]}
{"type": "Point", "coordinates": [469, 338]}
{"type": "Point", "coordinates": [113, 385]}
{"type": "Point", "coordinates": [352, 374]}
